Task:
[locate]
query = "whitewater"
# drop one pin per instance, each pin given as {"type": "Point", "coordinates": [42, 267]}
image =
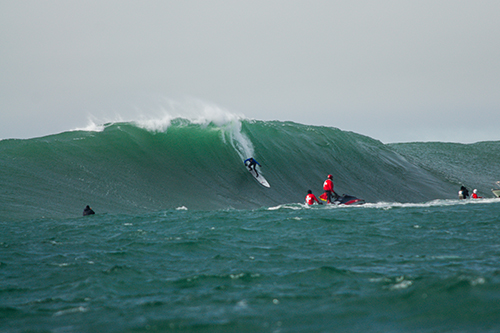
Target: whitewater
{"type": "Point", "coordinates": [184, 239]}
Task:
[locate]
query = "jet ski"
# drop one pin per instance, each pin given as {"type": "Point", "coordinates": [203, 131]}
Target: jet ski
{"type": "Point", "coordinates": [346, 199]}
{"type": "Point", "coordinates": [496, 191]}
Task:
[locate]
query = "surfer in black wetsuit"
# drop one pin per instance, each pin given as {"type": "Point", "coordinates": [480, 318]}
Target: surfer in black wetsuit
{"type": "Point", "coordinates": [463, 193]}
{"type": "Point", "coordinates": [252, 163]}
{"type": "Point", "coordinates": [88, 211]}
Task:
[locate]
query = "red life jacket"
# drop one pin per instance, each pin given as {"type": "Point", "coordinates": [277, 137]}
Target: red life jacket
{"type": "Point", "coordinates": [328, 185]}
{"type": "Point", "coordinates": [310, 198]}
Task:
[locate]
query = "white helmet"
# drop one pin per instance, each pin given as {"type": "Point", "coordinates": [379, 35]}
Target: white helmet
{"type": "Point", "coordinates": [475, 191]}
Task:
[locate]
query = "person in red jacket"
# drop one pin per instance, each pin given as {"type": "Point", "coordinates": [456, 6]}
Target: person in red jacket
{"type": "Point", "coordinates": [475, 196]}
{"type": "Point", "coordinates": [310, 198]}
{"type": "Point", "coordinates": [328, 187]}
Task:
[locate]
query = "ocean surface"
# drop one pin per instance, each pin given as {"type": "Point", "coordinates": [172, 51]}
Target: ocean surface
{"type": "Point", "coordinates": [185, 240]}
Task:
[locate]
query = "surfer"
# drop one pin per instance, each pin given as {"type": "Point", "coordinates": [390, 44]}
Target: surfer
{"type": "Point", "coordinates": [474, 195]}
{"type": "Point", "coordinates": [463, 193]}
{"type": "Point", "coordinates": [252, 163]}
{"type": "Point", "coordinates": [328, 187]}
{"type": "Point", "coordinates": [310, 198]}
{"type": "Point", "coordinates": [88, 211]}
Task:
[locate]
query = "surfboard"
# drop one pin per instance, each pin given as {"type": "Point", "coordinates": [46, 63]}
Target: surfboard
{"type": "Point", "coordinates": [262, 181]}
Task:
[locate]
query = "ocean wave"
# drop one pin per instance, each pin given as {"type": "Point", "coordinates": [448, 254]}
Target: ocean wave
{"type": "Point", "coordinates": [197, 163]}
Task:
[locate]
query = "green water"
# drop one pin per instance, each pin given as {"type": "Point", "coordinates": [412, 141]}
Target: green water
{"type": "Point", "coordinates": [184, 239]}
{"type": "Point", "coordinates": [382, 268]}
{"type": "Point", "coordinates": [128, 169]}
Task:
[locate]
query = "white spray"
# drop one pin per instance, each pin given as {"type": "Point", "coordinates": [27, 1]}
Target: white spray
{"type": "Point", "coordinates": [195, 112]}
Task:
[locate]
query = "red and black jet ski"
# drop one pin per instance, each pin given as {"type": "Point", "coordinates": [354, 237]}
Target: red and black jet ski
{"type": "Point", "coordinates": [344, 199]}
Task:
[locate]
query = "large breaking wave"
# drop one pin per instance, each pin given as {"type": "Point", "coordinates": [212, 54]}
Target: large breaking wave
{"type": "Point", "coordinates": [134, 167]}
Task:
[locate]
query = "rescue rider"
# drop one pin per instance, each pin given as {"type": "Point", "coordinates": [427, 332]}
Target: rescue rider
{"type": "Point", "coordinates": [328, 187]}
{"type": "Point", "coordinates": [310, 198]}
{"type": "Point", "coordinates": [474, 195]}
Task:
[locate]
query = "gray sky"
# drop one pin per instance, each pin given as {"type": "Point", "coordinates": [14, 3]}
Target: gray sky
{"type": "Point", "coordinates": [396, 71]}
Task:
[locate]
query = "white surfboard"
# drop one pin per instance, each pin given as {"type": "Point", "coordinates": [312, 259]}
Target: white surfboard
{"type": "Point", "coordinates": [262, 181]}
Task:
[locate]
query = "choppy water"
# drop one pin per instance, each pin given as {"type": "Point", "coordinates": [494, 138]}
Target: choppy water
{"type": "Point", "coordinates": [185, 240]}
{"type": "Point", "coordinates": [431, 267]}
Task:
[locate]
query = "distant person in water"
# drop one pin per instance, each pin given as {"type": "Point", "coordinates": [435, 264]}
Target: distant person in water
{"type": "Point", "coordinates": [311, 198]}
{"type": "Point", "coordinates": [252, 163]}
{"type": "Point", "coordinates": [475, 196]}
{"type": "Point", "coordinates": [88, 211]}
{"type": "Point", "coordinates": [463, 193]}
{"type": "Point", "coordinates": [328, 187]}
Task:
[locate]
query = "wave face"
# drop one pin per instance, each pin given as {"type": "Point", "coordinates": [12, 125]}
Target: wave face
{"type": "Point", "coordinates": [126, 168]}
{"type": "Point", "coordinates": [474, 165]}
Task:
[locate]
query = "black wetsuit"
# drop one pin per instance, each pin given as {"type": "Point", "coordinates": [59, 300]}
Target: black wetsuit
{"type": "Point", "coordinates": [88, 211]}
{"type": "Point", "coordinates": [465, 192]}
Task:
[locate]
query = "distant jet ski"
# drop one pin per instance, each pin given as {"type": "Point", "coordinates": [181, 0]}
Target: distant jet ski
{"type": "Point", "coordinates": [344, 199]}
{"type": "Point", "coordinates": [496, 191]}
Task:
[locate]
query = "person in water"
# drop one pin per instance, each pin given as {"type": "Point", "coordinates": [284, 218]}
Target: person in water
{"type": "Point", "coordinates": [88, 211]}
{"type": "Point", "coordinates": [463, 193]}
{"type": "Point", "coordinates": [310, 198]}
{"type": "Point", "coordinates": [252, 163]}
{"type": "Point", "coordinates": [474, 195]}
{"type": "Point", "coordinates": [328, 187]}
